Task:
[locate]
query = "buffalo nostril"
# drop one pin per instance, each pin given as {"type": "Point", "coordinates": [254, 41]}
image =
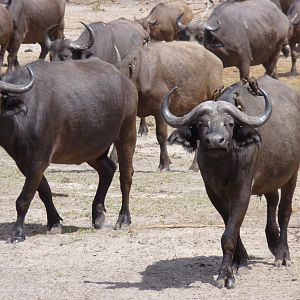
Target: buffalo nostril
{"type": "Point", "coordinates": [222, 140]}
{"type": "Point", "coordinates": [207, 140]}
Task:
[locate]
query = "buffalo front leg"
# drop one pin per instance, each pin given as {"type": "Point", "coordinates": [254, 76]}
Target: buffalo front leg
{"type": "Point", "coordinates": [53, 218]}
{"type": "Point", "coordinates": [161, 135]}
{"type": "Point", "coordinates": [232, 212]}
{"type": "Point", "coordinates": [282, 255]}
{"type": "Point", "coordinates": [32, 182]}
{"type": "Point", "coordinates": [272, 232]}
{"type": "Point", "coordinates": [106, 169]}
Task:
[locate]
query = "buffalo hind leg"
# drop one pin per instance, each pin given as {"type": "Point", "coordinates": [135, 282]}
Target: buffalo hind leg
{"type": "Point", "coordinates": [106, 170]}
{"type": "Point", "coordinates": [32, 182]}
{"type": "Point", "coordinates": [294, 56]}
{"type": "Point", "coordinates": [44, 51]}
{"type": "Point", "coordinates": [161, 135]}
{"type": "Point", "coordinates": [270, 65]}
{"type": "Point", "coordinates": [272, 232]}
{"type": "Point", "coordinates": [282, 256]}
{"type": "Point", "coordinates": [143, 128]}
{"type": "Point", "coordinates": [125, 146]}
{"type": "Point", "coordinates": [53, 218]}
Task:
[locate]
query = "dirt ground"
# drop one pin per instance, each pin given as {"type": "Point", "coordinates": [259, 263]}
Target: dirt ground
{"type": "Point", "coordinates": [171, 251]}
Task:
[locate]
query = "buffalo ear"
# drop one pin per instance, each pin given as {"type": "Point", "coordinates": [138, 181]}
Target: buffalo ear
{"type": "Point", "coordinates": [245, 136]}
{"type": "Point", "coordinates": [185, 137]}
{"type": "Point", "coordinates": [12, 106]}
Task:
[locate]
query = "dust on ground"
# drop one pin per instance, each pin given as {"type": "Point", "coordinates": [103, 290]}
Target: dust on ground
{"type": "Point", "coordinates": [172, 250]}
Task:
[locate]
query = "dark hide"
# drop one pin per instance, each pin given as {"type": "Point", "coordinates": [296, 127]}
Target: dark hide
{"type": "Point", "coordinates": [31, 18]}
{"type": "Point", "coordinates": [250, 33]}
{"type": "Point", "coordinates": [258, 161]}
{"type": "Point", "coordinates": [69, 120]}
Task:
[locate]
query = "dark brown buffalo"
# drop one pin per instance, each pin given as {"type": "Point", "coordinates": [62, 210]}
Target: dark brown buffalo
{"type": "Point", "coordinates": [70, 113]}
{"type": "Point", "coordinates": [159, 66]}
{"type": "Point", "coordinates": [247, 33]}
{"type": "Point", "coordinates": [31, 18]}
{"type": "Point", "coordinates": [6, 27]}
{"type": "Point", "coordinates": [293, 15]}
{"type": "Point", "coordinates": [161, 22]}
{"type": "Point", "coordinates": [237, 160]}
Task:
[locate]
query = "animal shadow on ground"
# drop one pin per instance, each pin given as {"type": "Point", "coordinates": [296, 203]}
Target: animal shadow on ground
{"type": "Point", "coordinates": [34, 229]}
{"type": "Point", "coordinates": [175, 273]}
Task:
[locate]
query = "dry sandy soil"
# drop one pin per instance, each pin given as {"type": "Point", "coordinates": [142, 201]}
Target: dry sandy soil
{"type": "Point", "coordinates": [151, 260]}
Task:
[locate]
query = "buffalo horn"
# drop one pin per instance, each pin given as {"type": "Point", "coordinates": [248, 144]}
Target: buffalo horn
{"type": "Point", "coordinates": [242, 118]}
{"type": "Point", "coordinates": [212, 28]}
{"type": "Point", "coordinates": [16, 88]}
{"type": "Point", "coordinates": [179, 24]}
{"type": "Point", "coordinates": [222, 106]}
{"type": "Point", "coordinates": [118, 62]}
{"type": "Point", "coordinates": [76, 46]}
{"type": "Point", "coordinates": [185, 120]}
{"type": "Point", "coordinates": [47, 41]}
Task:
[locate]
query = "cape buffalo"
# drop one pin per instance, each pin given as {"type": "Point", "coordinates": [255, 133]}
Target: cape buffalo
{"type": "Point", "coordinates": [246, 33]}
{"type": "Point", "coordinates": [159, 66]}
{"type": "Point", "coordinates": [68, 120]}
{"type": "Point", "coordinates": [6, 27]}
{"type": "Point", "coordinates": [161, 22]}
{"type": "Point", "coordinates": [237, 160]}
{"type": "Point", "coordinates": [293, 15]}
{"type": "Point", "coordinates": [100, 39]}
{"type": "Point", "coordinates": [31, 18]}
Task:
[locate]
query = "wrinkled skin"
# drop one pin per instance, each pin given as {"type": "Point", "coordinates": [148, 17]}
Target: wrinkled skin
{"type": "Point", "coordinates": [161, 22]}
{"type": "Point", "coordinates": [293, 15]}
{"type": "Point", "coordinates": [6, 28]}
{"type": "Point", "coordinates": [250, 33]}
{"type": "Point", "coordinates": [236, 162]}
{"type": "Point", "coordinates": [153, 69]}
{"type": "Point", "coordinates": [31, 18]}
{"type": "Point", "coordinates": [77, 121]}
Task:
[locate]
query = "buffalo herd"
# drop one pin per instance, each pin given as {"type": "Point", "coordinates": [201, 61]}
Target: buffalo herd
{"type": "Point", "coordinates": [73, 108]}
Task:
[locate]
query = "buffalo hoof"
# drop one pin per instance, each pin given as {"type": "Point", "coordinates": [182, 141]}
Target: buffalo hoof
{"type": "Point", "coordinates": [98, 223]}
{"type": "Point", "coordinates": [55, 229]}
{"type": "Point", "coordinates": [15, 239]}
{"type": "Point", "coordinates": [194, 168]}
{"type": "Point", "coordinates": [282, 262]}
{"type": "Point", "coordinates": [143, 132]}
{"type": "Point", "coordinates": [124, 221]}
{"type": "Point", "coordinates": [226, 282]}
{"type": "Point", "coordinates": [164, 168]}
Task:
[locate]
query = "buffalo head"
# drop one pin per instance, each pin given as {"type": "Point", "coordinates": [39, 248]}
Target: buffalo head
{"type": "Point", "coordinates": [216, 124]}
{"type": "Point", "coordinates": [67, 49]}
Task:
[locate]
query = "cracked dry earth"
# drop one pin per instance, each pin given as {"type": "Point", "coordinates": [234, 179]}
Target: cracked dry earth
{"type": "Point", "coordinates": [172, 250]}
